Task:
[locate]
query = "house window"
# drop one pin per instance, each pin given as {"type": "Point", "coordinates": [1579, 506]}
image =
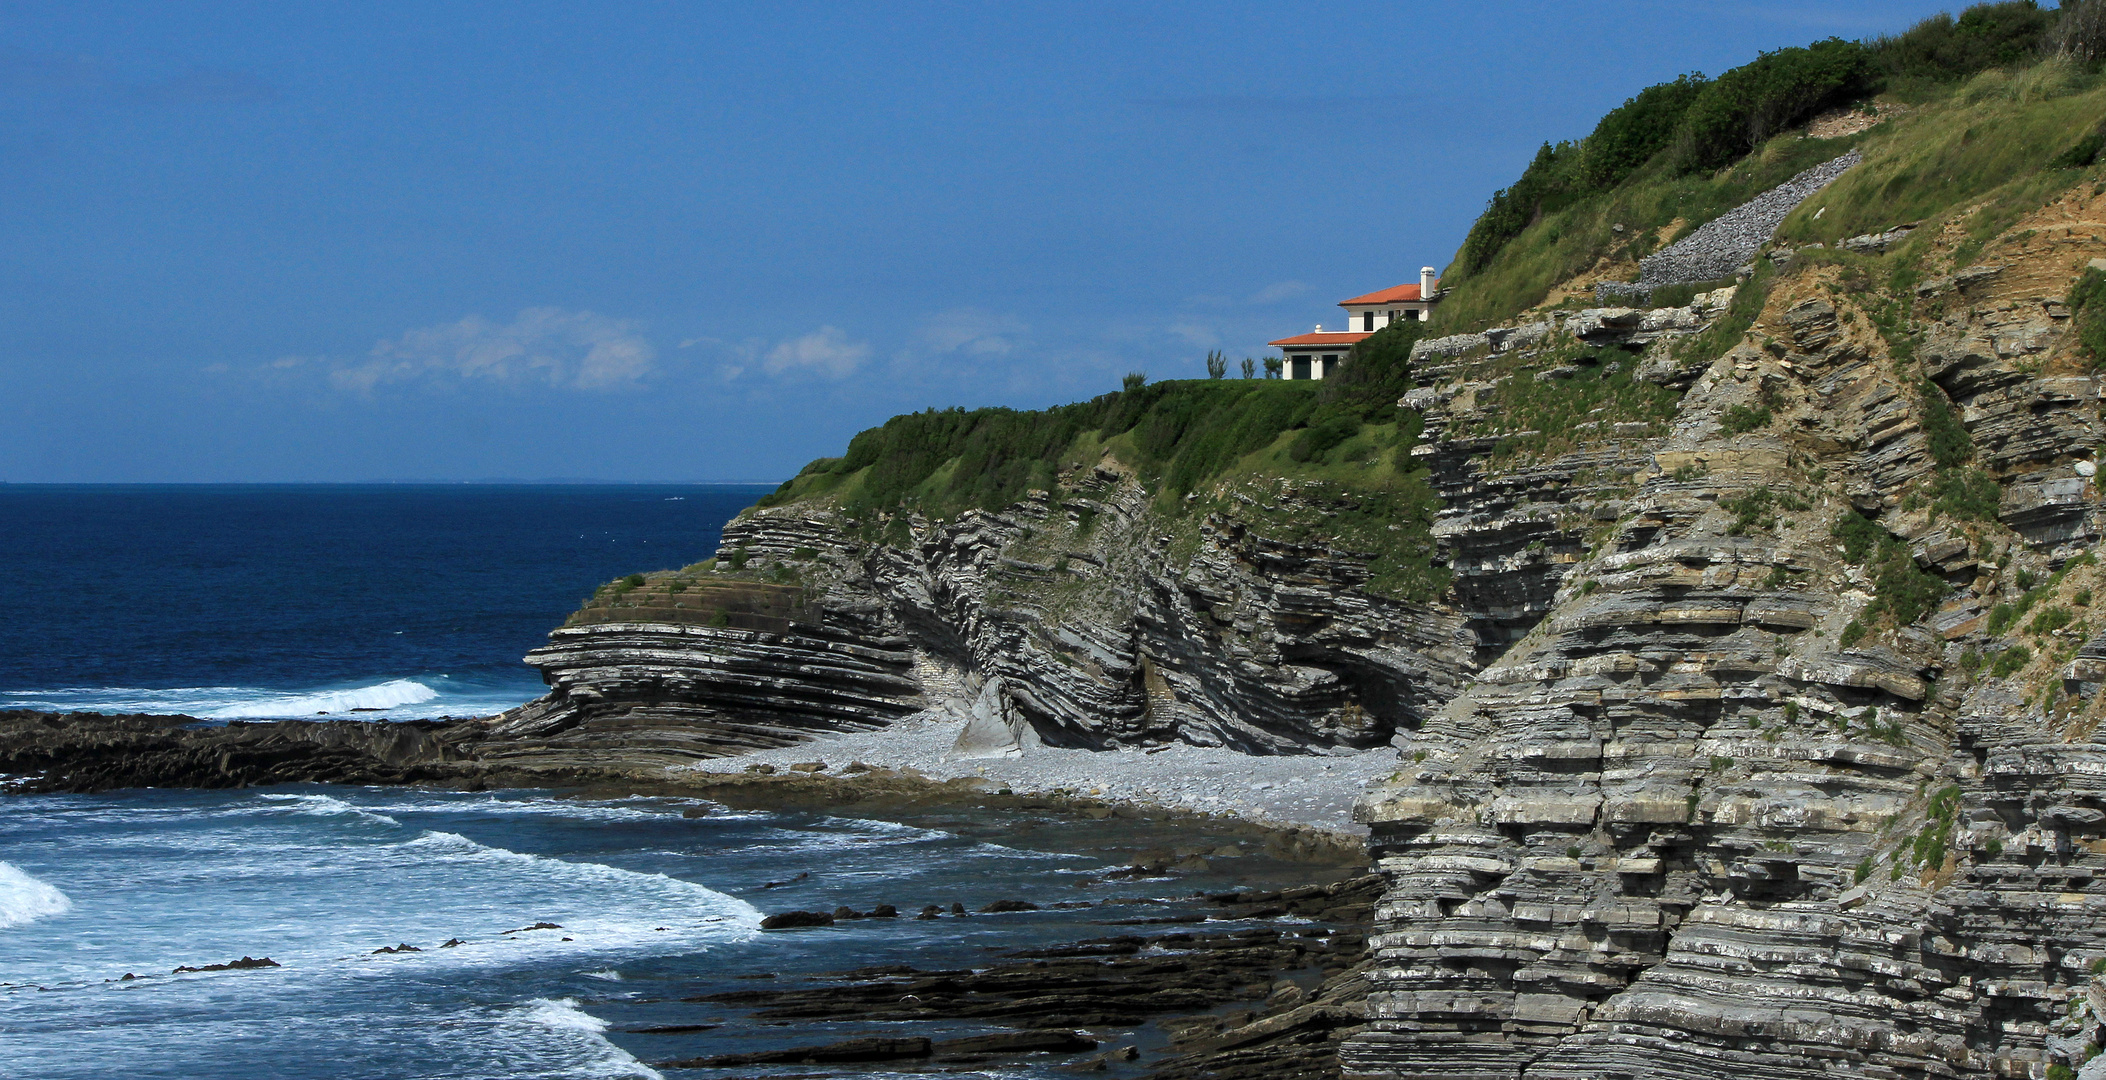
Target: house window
{"type": "Point", "coordinates": [1301, 368]}
{"type": "Point", "coordinates": [1330, 365]}
{"type": "Point", "coordinates": [1392, 316]}
{"type": "Point", "coordinates": [1367, 322]}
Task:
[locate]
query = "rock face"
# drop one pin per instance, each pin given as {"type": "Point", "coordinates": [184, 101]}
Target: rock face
{"type": "Point", "coordinates": [1751, 730]}
{"type": "Point", "coordinates": [1716, 811]}
{"type": "Point", "coordinates": [1062, 619]}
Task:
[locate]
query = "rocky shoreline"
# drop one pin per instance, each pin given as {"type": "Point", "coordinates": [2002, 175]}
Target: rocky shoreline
{"type": "Point", "coordinates": [1262, 981]}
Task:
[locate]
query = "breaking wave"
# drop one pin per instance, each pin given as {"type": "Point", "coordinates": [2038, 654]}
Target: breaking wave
{"type": "Point", "coordinates": [25, 899]}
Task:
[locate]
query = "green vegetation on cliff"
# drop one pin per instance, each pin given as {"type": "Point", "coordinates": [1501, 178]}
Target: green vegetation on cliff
{"type": "Point", "coordinates": [1679, 154]}
{"type": "Point", "coordinates": [1179, 435]}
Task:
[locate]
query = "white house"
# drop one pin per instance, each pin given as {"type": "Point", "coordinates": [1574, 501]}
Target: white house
{"type": "Point", "coordinates": [1318, 354]}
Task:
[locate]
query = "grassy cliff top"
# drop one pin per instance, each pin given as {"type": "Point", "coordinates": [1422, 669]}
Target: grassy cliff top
{"type": "Point", "coordinates": [2003, 104]}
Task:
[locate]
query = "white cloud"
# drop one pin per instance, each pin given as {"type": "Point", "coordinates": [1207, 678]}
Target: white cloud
{"type": "Point", "coordinates": [1195, 334]}
{"type": "Point", "coordinates": [1278, 291]}
{"type": "Point", "coordinates": [570, 349]}
{"type": "Point", "coordinates": [972, 332]}
{"type": "Point", "coordinates": [826, 350]}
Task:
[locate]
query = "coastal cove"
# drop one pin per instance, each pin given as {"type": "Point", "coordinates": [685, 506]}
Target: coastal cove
{"type": "Point", "coordinates": [1677, 649]}
{"type": "Point", "coordinates": [418, 931]}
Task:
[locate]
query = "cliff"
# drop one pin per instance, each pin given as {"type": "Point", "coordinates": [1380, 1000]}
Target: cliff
{"type": "Point", "coordinates": [1737, 648]}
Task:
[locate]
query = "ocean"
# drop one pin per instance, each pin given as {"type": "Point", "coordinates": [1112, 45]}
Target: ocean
{"type": "Point", "coordinates": [275, 601]}
{"type": "Point", "coordinates": [549, 936]}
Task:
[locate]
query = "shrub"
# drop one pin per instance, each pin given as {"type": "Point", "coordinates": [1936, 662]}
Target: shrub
{"type": "Point", "coordinates": [1967, 494]}
{"type": "Point", "coordinates": [2083, 152]}
{"type": "Point", "coordinates": [1904, 590]}
{"type": "Point", "coordinates": [1858, 534]}
{"type": "Point", "coordinates": [1942, 48]}
{"type": "Point", "coordinates": [1320, 437]}
{"type": "Point", "coordinates": [1741, 109]}
{"type": "Point", "coordinates": [2080, 34]}
{"type": "Point", "coordinates": [1544, 186]}
{"type": "Point", "coordinates": [633, 581]}
{"type": "Point", "coordinates": [2049, 621]}
{"type": "Point", "coordinates": [1852, 634]}
{"type": "Point", "coordinates": [1250, 367]}
{"type": "Point", "coordinates": [1863, 871]}
{"type": "Point", "coordinates": [1376, 372]}
{"type": "Point", "coordinates": [2010, 660]}
{"type": "Point", "coordinates": [1740, 419]}
{"type": "Point", "coordinates": [1950, 446]}
{"type": "Point", "coordinates": [1217, 364]}
{"type": "Point", "coordinates": [1272, 367]}
{"type": "Point", "coordinates": [1134, 381]}
{"type": "Point", "coordinates": [2087, 303]}
{"type": "Point", "coordinates": [1636, 130]}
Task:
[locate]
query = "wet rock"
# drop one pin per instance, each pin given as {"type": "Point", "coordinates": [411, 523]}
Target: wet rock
{"type": "Point", "coordinates": [796, 920]}
{"type": "Point", "coordinates": [884, 911]}
{"type": "Point", "coordinates": [1052, 1041]}
{"type": "Point", "coordinates": [848, 1051]}
{"type": "Point", "coordinates": [1000, 906]}
{"type": "Point", "coordinates": [244, 964]}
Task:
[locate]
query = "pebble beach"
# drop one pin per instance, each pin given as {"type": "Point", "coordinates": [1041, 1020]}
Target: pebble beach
{"type": "Point", "coordinates": [1304, 790]}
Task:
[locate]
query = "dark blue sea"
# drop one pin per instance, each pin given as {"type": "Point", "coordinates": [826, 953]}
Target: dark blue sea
{"type": "Point", "coordinates": [259, 601]}
{"type": "Point", "coordinates": [551, 936]}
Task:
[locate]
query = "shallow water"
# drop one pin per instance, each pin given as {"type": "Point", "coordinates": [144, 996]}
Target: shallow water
{"type": "Point", "coordinates": [653, 906]}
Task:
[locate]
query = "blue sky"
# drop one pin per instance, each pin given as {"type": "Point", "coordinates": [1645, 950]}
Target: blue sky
{"type": "Point", "coordinates": [301, 242]}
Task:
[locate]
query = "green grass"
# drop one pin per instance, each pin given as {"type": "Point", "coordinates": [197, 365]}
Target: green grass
{"type": "Point", "coordinates": [1990, 143]}
{"type": "Point", "coordinates": [1993, 147]}
{"type": "Point", "coordinates": [941, 462]}
{"type": "Point", "coordinates": [1567, 241]}
{"type": "Point", "coordinates": [1537, 419]}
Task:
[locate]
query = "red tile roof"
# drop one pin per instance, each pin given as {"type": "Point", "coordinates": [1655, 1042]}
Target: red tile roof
{"type": "Point", "coordinates": [1325, 338]}
{"type": "Point", "coordinates": [1396, 295]}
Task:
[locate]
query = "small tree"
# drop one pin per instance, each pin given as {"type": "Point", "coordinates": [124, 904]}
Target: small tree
{"type": "Point", "coordinates": [1250, 367]}
{"type": "Point", "coordinates": [1135, 380]}
{"type": "Point", "coordinates": [2081, 33]}
{"type": "Point", "coordinates": [1272, 367]}
{"type": "Point", "coordinates": [1217, 364]}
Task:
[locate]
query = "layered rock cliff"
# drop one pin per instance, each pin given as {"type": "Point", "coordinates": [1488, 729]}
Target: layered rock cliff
{"type": "Point", "coordinates": [1754, 794]}
{"type": "Point", "coordinates": [1747, 718]}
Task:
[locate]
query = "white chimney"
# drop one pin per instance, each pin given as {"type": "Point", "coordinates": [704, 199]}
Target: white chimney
{"type": "Point", "coordinates": [1426, 282]}
{"type": "Point", "coordinates": [1319, 328]}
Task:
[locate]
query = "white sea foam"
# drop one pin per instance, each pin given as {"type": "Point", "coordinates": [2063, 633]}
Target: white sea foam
{"type": "Point", "coordinates": [585, 810]}
{"type": "Point", "coordinates": [387, 695]}
{"type": "Point", "coordinates": [390, 699]}
{"type": "Point", "coordinates": [25, 899]}
{"type": "Point", "coordinates": [597, 1058]}
{"type": "Point", "coordinates": [329, 806]}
